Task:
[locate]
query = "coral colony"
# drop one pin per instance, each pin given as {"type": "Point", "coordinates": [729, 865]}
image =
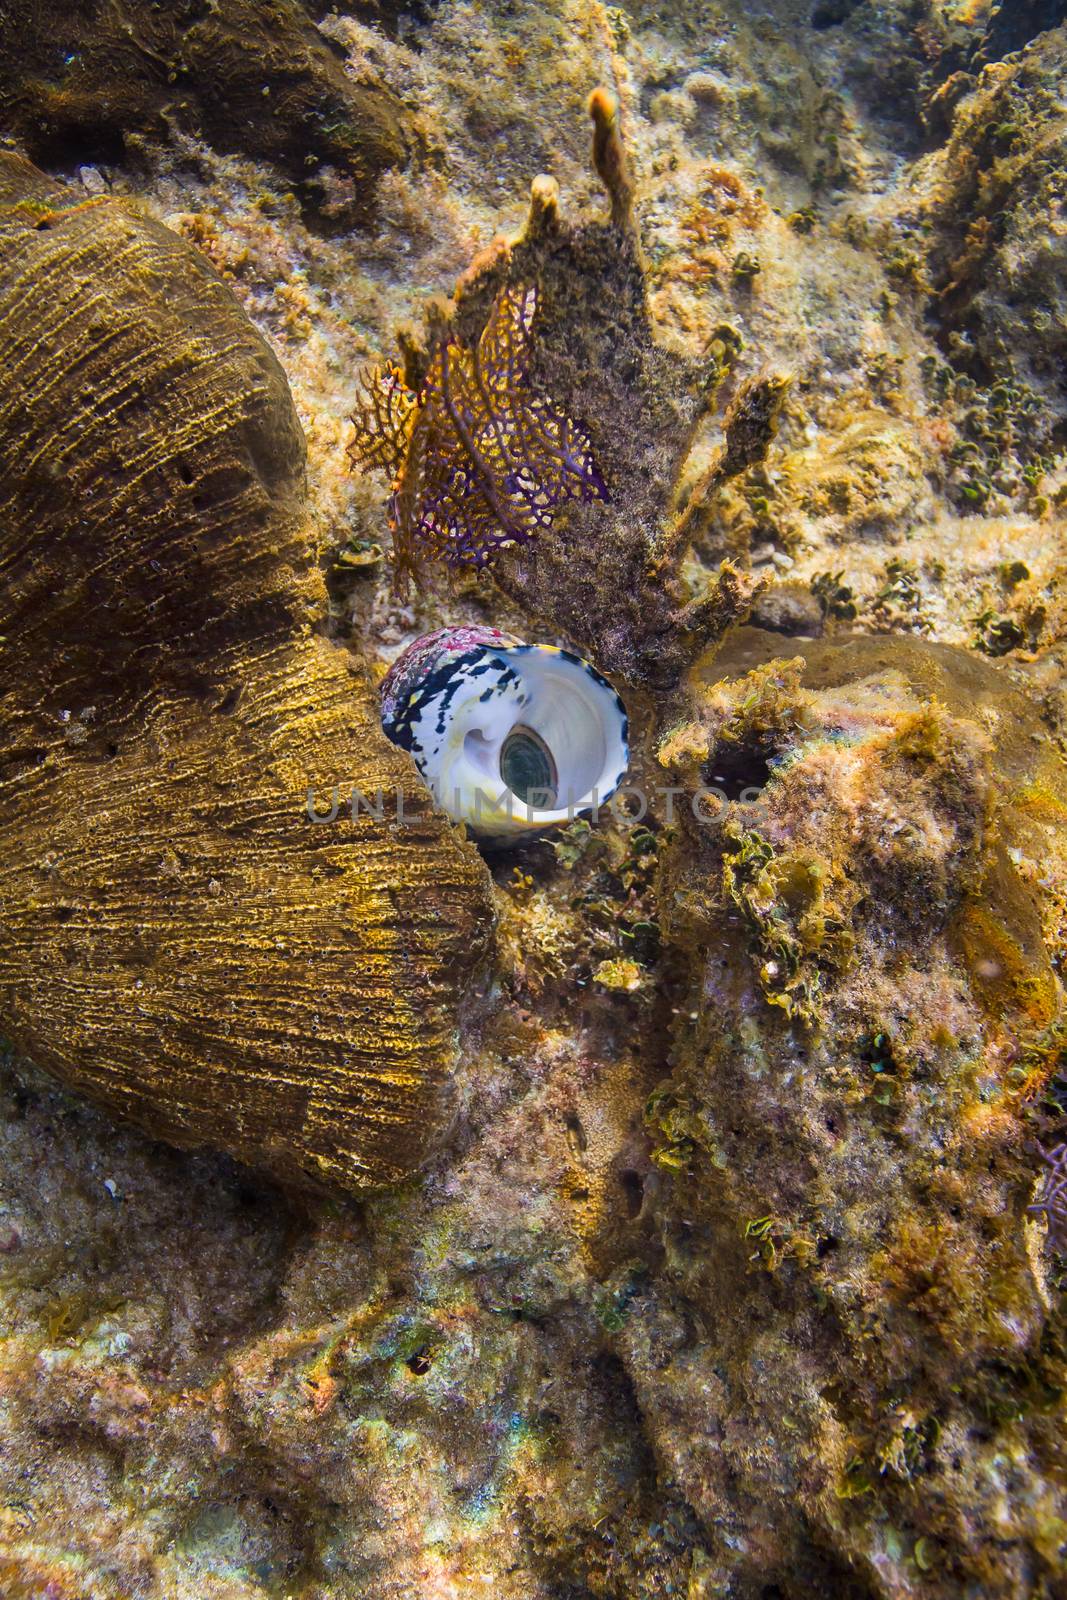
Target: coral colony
{"type": "Point", "coordinates": [146, 318]}
{"type": "Point", "coordinates": [477, 459]}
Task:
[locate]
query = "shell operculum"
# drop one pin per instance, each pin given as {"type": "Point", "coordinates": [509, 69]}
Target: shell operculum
{"type": "Point", "coordinates": [511, 738]}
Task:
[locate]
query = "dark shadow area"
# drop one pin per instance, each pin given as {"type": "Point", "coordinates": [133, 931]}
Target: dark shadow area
{"type": "Point", "coordinates": [1016, 22]}
{"type": "Point", "coordinates": [832, 13]}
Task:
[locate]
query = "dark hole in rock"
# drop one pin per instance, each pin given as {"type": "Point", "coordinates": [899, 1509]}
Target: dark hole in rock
{"type": "Point", "coordinates": [610, 1380]}
{"type": "Point", "coordinates": [418, 1363]}
{"type": "Point", "coordinates": [642, 941]}
{"type": "Point", "coordinates": [826, 1246]}
{"type": "Point", "coordinates": [24, 1099]}
{"type": "Point", "coordinates": [1014, 23]}
{"type": "Point", "coordinates": [634, 1191]}
{"type": "Point", "coordinates": [576, 1135]}
{"type": "Point", "coordinates": [737, 771]}
{"type": "Point", "coordinates": [68, 145]}
{"type": "Point", "coordinates": [831, 13]}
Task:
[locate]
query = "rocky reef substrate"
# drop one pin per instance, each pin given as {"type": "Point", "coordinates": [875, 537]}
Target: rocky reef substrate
{"type": "Point", "coordinates": [721, 1274]}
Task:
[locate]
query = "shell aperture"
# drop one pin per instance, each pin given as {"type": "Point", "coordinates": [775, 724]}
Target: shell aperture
{"type": "Point", "coordinates": [510, 737]}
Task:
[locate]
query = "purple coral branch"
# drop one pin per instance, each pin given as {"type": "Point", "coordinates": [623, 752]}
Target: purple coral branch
{"type": "Point", "coordinates": [478, 459]}
{"type": "Point", "coordinates": [1052, 1200]}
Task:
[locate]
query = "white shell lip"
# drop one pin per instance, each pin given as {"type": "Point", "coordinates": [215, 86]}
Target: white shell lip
{"type": "Point", "coordinates": [454, 698]}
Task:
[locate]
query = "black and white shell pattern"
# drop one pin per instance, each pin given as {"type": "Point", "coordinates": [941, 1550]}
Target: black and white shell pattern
{"type": "Point", "coordinates": [456, 697]}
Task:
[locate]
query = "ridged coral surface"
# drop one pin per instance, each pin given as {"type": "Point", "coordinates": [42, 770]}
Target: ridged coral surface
{"type": "Point", "coordinates": [177, 935]}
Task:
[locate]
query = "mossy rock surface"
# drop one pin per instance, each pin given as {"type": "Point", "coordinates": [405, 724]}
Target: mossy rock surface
{"type": "Point", "coordinates": [875, 931]}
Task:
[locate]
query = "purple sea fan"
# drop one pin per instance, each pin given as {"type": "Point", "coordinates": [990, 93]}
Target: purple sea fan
{"type": "Point", "coordinates": [1053, 1197]}
{"type": "Point", "coordinates": [477, 458]}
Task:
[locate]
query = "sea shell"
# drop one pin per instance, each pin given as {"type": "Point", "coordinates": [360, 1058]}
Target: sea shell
{"type": "Point", "coordinates": [178, 937]}
{"type": "Point", "coordinates": [511, 737]}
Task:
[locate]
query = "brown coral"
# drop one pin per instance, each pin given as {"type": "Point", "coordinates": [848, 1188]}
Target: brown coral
{"type": "Point", "coordinates": [89, 82]}
{"type": "Point", "coordinates": [176, 935]}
